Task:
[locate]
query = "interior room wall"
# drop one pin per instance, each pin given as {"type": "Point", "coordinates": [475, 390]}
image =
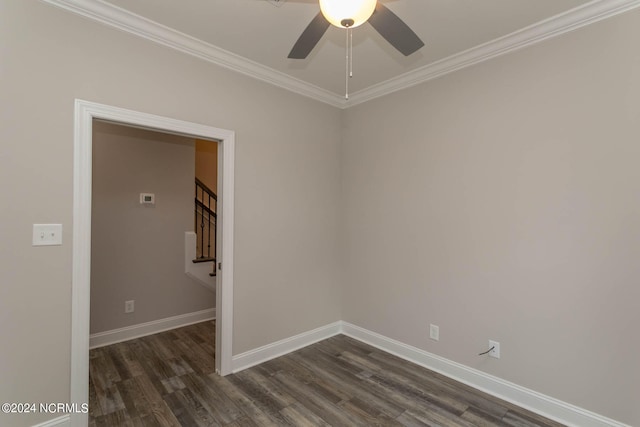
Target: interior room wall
{"type": "Point", "coordinates": [501, 202]}
{"type": "Point", "coordinates": [286, 185]}
{"type": "Point", "coordinates": [207, 163]}
{"type": "Point", "coordinates": [137, 250]}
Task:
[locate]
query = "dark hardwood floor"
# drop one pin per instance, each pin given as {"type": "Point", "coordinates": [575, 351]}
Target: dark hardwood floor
{"type": "Point", "coordinates": [168, 379]}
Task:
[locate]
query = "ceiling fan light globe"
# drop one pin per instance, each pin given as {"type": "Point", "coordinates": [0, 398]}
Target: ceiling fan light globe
{"type": "Point", "coordinates": [337, 11]}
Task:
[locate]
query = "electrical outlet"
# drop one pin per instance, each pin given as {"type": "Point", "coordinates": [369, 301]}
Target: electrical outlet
{"type": "Point", "coordinates": [495, 345]}
{"type": "Point", "coordinates": [129, 306]}
{"type": "Point", "coordinates": [434, 332]}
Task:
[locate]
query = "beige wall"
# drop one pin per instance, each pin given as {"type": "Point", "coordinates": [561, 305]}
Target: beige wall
{"type": "Point", "coordinates": [137, 251]}
{"type": "Point", "coordinates": [503, 202]}
{"type": "Point", "coordinates": [207, 163]}
{"type": "Point", "coordinates": [287, 185]}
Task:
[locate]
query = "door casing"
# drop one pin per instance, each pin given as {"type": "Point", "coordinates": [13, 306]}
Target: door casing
{"type": "Point", "coordinates": [85, 113]}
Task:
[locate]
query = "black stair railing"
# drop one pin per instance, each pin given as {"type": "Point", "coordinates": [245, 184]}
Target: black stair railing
{"type": "Point", "coordinates": [205, 224]}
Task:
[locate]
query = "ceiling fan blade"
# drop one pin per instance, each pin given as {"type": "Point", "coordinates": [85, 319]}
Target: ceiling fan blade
{"type": "Point", "coordinates": [395, 31]}
{"type": "Point", "coordinates": [309, 37]}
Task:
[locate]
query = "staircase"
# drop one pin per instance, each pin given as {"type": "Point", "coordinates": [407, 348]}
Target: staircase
{"type": "Point", "coordinates": [205, 224]}
{"type": "Point", "coordinates": [200, 246]}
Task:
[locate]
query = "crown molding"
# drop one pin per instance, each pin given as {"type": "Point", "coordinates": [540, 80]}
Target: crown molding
{"type": "Point", "coordinates": [573, 19]}
{"type": "Point", "coordinates": [116, 17]}
{"type": "Point", "coordinates": [119, 18]}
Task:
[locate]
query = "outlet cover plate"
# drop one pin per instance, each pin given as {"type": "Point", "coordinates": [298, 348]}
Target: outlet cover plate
{"type": "Point", "coordinates": [496, 349]}
{"type": "Point", "coordinates": [434, 332]}
{"type": "Point", "coordinates": [129, 306]}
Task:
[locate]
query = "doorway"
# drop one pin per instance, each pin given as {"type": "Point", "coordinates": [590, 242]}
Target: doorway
{"type": "Point", "coordinates": [85, 113]}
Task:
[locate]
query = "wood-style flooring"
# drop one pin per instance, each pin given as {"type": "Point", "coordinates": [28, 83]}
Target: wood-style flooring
{"type": "Point", "coordinates": [168, 379]}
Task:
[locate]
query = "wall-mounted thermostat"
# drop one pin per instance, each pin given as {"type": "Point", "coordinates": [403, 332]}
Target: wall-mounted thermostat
{"type": "Point", "coordinates": [147, 199]}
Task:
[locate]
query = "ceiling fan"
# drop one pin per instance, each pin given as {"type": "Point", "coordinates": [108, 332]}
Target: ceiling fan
{"type": "Point", "coordinates": [350, 14]}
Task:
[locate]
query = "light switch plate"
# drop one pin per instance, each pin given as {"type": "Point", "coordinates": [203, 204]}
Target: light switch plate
{"type": "Point", "coordinates": [47, 234]}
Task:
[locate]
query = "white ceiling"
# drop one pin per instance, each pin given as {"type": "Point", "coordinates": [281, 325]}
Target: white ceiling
{"type": "Point", "coordinates": [456, 33]}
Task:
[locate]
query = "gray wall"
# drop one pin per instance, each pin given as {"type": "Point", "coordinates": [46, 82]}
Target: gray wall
{"type": "Point", "coordinates": [287, 185]}
{"type": "Point", "coordinates": [137, 251]}
{"type": "Point", "coordinates": [503, 202]}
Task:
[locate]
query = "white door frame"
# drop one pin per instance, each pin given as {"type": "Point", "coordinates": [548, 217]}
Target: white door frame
{"type": "Point", "coordinates": [85, 112]}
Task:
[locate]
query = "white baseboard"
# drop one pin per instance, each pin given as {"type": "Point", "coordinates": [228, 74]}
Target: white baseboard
{"type": "Point", "coordinates": [279, 348]}
{"type": "Point", "coordinates": [102, 339]}
{"type": "Point", "coordinates": [549, 407]}
{"type": "Point", "coordinates": [63, 421]}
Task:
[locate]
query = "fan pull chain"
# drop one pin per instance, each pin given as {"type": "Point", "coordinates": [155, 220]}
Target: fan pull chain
{"type": "Point", "coordinates": [349, 61]}
{"type": "Point", "coordinates": [350, 51]}
{"type": "Point", "coordinates": [346, 77]}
